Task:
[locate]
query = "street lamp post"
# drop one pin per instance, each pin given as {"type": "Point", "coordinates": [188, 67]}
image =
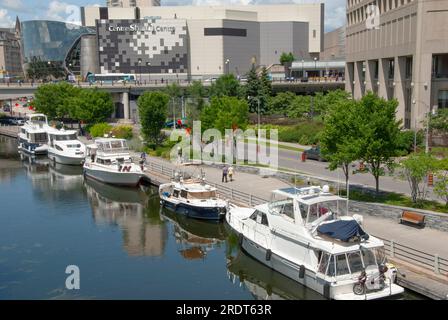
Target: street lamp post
{"type": "Point", "coordinates": [432, 111]}
{"type": "Point", "coordinates": [227, 66]}
{"type": "Point", "coordinates": [303, 69]}
{"type": "Point", "coordinates": [140, 69]}
{"type": "Point", "coordinates": [315, 65]}
{"type": "Point", "coordinates": [149, 71]}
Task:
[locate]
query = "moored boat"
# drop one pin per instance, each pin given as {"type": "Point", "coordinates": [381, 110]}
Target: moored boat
{"type": "Point", "coordinates": [32, 136]}
{"type": "Point", "coordinates": [64, 147]}
{"type": "Point", "coordinates": [193, 198]}
{"type": "Point", "coordinates": [305, 234]}
{"type": "Point", "coordinates": [108, 161]}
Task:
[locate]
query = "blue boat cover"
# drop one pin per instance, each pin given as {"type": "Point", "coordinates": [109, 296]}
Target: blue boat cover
{"type": "Point", "coordinates": [343, 230]}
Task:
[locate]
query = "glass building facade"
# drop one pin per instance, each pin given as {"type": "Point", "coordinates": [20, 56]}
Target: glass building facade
{"type": "Point", "coordinates": [53, 41]}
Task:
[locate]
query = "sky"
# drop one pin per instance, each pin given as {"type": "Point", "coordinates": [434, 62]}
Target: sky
{"type": "Point", "coordinates": [68, 10]}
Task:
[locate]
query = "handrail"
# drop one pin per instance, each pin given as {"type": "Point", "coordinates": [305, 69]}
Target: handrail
{"type": "Point", "coordinates": [430, 261]}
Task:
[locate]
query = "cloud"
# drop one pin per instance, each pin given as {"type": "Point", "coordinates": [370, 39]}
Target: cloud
{"type": "Point", "coordinates": [5, 20]}
{"type": "Point", "coordinates": [62, 11]}
{"type": "Point", "coordinates": [15, 5]}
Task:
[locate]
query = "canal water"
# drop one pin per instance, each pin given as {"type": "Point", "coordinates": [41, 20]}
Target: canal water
{"type": "Point", "coordinates": [125, 245]}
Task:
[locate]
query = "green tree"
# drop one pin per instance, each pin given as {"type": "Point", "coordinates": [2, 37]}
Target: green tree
{"type": "Point", "coordinates": [152, 108]}
{"type": "Point", "coordinates": [415, 169]}
{"type": "Point", "coordinates": [441, 184]}
{"type": "Point", "coordinates": [440, 121]}
{"type": "Point", "coordinates": [91, 106]}
{"type": "Point", "coordinates": [252, 89]}
{"type": "Point", "coordinates": [225, 113]}
{"type": "Point", "coordinates": [338, 140]}
{"type": "Point", "coordinates": [280, 103]}
{"type": "Point", "coordinates": [54, 99]}
{"type": "Point", "coordinates": [286, 58]}
{"type": "Point", "coordinates": [299, 107]}
{"type": "Point", "coordinates": [196, 93]}
{"type": "Point", "coordinates": [378, 134]}
{"type": "Point", "coordinates": [225, 85]}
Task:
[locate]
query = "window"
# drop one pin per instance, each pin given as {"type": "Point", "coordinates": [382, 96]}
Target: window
{"type": "Point", "coordinates": [324, 263]}
{"type": "Point", "coordinates": [176, 193]}
{"type": "Point", "coordinates": [443, 99]}
{"type": "Point", "coordinates": [341, 265]}
{"type": "Point", "coordinates": [331, 267]}
{"type": "Point", "coordinates": [355, 262]}
{"type": "Point", "coordinates": [314, 33]}
{"type": "Point", "coordinates": [264, 220]}
{"type": "Point", "coordinates": [260, 218]}
{"type": "Point", "coordinates": [408, 73]}
{"type": "Point", "coordinates": [183, 194]}
{"type": "Point", "coordinates": [368, 257]}
{"type": "Point", "coordinates": [225, 32]}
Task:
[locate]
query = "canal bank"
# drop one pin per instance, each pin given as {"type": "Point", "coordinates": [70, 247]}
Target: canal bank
{"type": "Point", "coordinates": [405, 253]}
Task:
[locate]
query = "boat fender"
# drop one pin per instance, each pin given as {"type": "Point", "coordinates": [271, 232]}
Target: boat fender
{"type": "Point", "coordinates": [240, 239]}
{"type": "Point", "coordinates": [268, 254]}
{"type": "Point", "coordinates": [302, 272]}
{"type": "Point", "coordinates": [327, 290]}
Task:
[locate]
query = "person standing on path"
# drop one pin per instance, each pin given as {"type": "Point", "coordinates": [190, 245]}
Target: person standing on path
{"type": "Point", "coordinates": [230, 172]}
{"type": "Point", "coordinates": [224, 173]}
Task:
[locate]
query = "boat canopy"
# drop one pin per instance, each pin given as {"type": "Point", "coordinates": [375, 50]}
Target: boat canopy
{"type": "Point", "coordinates": [343, 230]}
{"type": "Point", "coordinates": [307, 195]}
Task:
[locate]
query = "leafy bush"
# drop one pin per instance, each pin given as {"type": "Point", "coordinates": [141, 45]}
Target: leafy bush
{"type": "Point", "coordinates": [305, 133]}
{"type": "Point", "coordinates": [407, 140]}
{"type": "Point", "coordinates": [100, 129]}
{"type": "Point", "coordinates": [122, 132]}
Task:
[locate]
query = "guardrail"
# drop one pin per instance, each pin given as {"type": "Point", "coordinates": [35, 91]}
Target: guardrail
{"type": "Point", "coordinates": [393, 249]}
{"type": "Point", "coordinates": [423, 259]}
{"type": "Point", "coordinates": [232, 194]}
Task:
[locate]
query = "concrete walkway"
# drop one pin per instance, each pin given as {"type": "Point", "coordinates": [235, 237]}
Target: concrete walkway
{"type": "Point", "coordinates": [427, 240]}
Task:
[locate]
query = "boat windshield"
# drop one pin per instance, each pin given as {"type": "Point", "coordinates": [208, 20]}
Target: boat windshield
{"type": "Point", "coordinates": [202, 195]}
{"type": "Point", "coordinates": [351, 262]}
{"type": "Point", "coordinates": [281, 205]}
{"type": "Point", "coordinates": [64, 137]}
{"type": "Point", "coordinates": [113, 146]}
{"type": "Point", "coordinates": [317, 210]}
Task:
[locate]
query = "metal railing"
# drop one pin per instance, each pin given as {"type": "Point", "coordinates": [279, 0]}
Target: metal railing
{"type": "Point", "coordinates": [420, 258]}
{"type": "Point", "coordinates": [393, 249]}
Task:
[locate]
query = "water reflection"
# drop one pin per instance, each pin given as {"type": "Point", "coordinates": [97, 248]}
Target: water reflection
{"type": "Point", "coordinates": [263, 282]}
{"type": "Point", "coordinates": [8, 148]}
{"type": "Point", "coordinates": [133, 211]}
{"type": "Point", "coordinates": [194, 238]}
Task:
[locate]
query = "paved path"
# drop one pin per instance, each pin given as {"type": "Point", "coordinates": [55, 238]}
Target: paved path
{"type": "Point", "coordinates": [427, 240]}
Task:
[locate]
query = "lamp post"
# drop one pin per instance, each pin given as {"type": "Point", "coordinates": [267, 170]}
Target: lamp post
{"type": "Point", "coordinates": [140, 69]}
{"type": "Point", "coordinates": [432, 111]}
{"type": "Point", "coordinates": [148, 64]}
{"type": "Point", "coordinates": [227, 66]}
{"type": "Point", "coordinates": [258, 110]}
{"type": "Point", "coordinates": [303, 69]}
{"type": "Point", "coordinates": [315, 65]}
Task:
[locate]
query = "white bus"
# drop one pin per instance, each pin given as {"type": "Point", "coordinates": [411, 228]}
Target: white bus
{"type": "Point", "coordinates": [110, 78]}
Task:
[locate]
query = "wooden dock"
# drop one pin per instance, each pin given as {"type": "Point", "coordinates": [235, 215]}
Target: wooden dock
{"type": "Point", "coordinates": [9, 131]}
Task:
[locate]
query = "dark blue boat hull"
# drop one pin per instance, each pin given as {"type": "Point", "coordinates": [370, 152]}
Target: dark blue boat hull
{"type": "Point", "coordinates": [204, 213]}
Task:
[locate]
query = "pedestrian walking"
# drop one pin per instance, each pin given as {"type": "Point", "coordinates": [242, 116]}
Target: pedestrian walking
{"type": "Point", "coordinates": [142, 160]}
{"type": "Point", "coordinates": [230, 173]}
{"type": "Point", "coordinates": [225, 170]}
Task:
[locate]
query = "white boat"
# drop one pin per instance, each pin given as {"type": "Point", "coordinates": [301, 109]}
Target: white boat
{"type": "Point", "coordinates": [193, 198]}
{"type": "Point", "coordinates": [64, 147]}
{"type": "Point", "coordinates": [108, 161]}
{"type": "Point", "coordinates": [305, 234]}
{"type": "Point", "coordinates": [32, 136]}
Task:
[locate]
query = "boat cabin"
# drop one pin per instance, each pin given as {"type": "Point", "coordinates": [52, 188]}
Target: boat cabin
{"type": "Point", "coordinates": [109, 152]}
{"type": "Point", "coordinates": [307, 206]}
{"type": "Point", "coordinates": [62, 135]}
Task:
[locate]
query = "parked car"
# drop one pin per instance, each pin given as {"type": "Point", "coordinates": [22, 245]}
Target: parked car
{"type": "Point", "coordinates": [314, 154]}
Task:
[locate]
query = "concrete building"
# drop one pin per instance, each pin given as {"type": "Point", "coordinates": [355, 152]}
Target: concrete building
{"type": "Point", "coordinates": [334, 45]}
{"type": "Point", "coordinates": [10, 53]}
{"type": "Point", "coordinates": [399, 50]}
{"type": "Point", "coordinates": [197, 41]}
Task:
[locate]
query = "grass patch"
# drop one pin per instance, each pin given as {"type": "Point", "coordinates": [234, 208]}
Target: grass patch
{"type": "Point", "coordinates": [279, 145]}
{"type": "Point", "coordinates": [440, 152]}
{"type": "Point", "coordinates": [397, 199]}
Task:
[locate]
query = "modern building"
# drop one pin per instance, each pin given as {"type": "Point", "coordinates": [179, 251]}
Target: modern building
{"type": "Point", "coordinates": [55, 42]}
{"type": "Point", "coordinates": [10, 53]}
{"type": "Point", "coordinates": [334, 45]}
{"type": "Point", "coordinates": [132, 3]}
{"type": "Point", "coordinates": [198, 41]}
{"type": "Point", "coordinates": [399, 49]}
